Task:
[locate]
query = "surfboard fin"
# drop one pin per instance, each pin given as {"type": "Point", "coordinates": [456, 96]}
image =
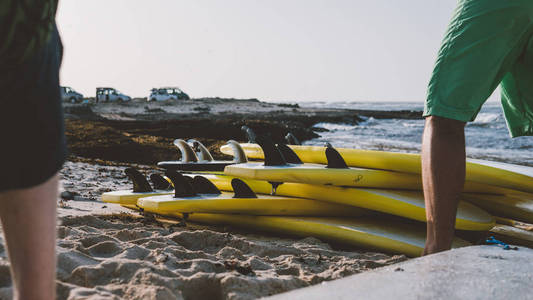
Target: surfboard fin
{"type": "Point", "coordinates": [241, 189]}
{"type": "Point", "coordinates": [289, 155]}
{"type": "Point", "coordinates": [187, 153]}
{"type": "Point", "coordinates": [159, 182]}
{"type": "Point", "coordinates": [291, 139]}
{"type": "Point", "coordinates": [202, 185]}
{"type": "Point", "coordinates": [335, 160]}
{"type": "Point", "coordinates": [189, 181]}
{"type": "Point", "coordinates": [182, 187]}
{"type": "Point", "coordinates": [201, 151]}
{"type": "Point", "coordinates": [140, 184]}
{"type": "Point", "coordinates": [250, 134]}
{"type": "Point", "coordinates": [274, 187]}
{"type": "Point", "coordinates": [273, 156]}
{"type": "Point", "coordinates": [239, 156]}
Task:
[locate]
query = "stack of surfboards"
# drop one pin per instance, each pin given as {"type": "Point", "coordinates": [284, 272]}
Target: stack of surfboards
{"type": "Point", "coordinates": [501, 189]}
{"type": "Point", "coordinates": [370, 199]}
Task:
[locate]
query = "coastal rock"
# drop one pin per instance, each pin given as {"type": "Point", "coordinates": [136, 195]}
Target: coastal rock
{"type": "Point", "coordinates": [143, 132]}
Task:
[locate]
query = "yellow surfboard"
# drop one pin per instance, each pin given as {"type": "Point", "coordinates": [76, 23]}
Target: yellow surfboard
{"type": "Point", "coordinates": [129, 197]}
{"type": "Point", "coordinates": [354, 177]}
{"type": "Point", "coordinates": [141, 188]}
{"type": "Point", "coordinates": [384, 235]}
{"type": "Point", "coordinates": [480, 171]}
{"type": "Point", "coordinates": [262, 205]}
{"type": "Point", "coordinates": [513, 235]}
{"type": "Point", "coordinates": [407, 204]}
{"type": "Point", "coordinates": [379, 234]}
{"type": "Point", "coordinates": [518, 206]}
{"type": "Point", "coordinates": [319, 174]}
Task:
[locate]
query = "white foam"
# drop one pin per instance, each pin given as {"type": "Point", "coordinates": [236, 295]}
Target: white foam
{"type": "Point", "coordinates": [335, 127]}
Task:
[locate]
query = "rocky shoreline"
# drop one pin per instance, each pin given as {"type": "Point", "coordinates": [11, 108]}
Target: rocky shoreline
{"type": "Point", "coordinates": [142, 132]}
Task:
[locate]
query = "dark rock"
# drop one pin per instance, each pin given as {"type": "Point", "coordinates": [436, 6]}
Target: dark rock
{"type": "Point", "coordinates": [66, 195]}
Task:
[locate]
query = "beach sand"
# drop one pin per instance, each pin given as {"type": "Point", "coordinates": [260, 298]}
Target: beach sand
{"type": "Point", "coordinates": [108, 252]}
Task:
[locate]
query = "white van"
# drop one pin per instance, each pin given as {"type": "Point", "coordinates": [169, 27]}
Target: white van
{"type": "Point", "coordinates": [167, 93]}
{"type": "Point", "coordinates": [68, 94]}
{"type": "Point", "coordinates": [107, 94]}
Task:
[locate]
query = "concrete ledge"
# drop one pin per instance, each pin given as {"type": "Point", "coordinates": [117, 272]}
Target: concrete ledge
{"type": "Point", "coordinates": [477, 272]}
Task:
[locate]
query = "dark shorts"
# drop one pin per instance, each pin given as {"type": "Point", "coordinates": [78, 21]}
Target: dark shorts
{"type": "Point", "coordinates": [33, 146]}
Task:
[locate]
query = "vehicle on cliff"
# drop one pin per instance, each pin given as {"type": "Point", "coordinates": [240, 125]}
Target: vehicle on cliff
{"type": "Point", "coordinates": [107, 94]}
{"type": "Point", "coordinates": [167, 93]}
{"type": "Point", "coordinates": [68, 94]}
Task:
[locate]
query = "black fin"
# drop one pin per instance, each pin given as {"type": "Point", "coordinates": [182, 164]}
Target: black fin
{"type": "Point", "coordinates": [291, 139]}
{"type": "Point", "coordinates": [335, 160]}
{"type": "Point", "coordinates": [182, 187]}
{"type": "Point", "coordinates": [140, 184]}
{"type": "Point", "coordinates": [189, 181]}
{"type": "Point", "coordinates": [159, 182]}
{"type": "Point", "coordinates": [187, 154]}
{"type": "Point", "coordinates": [201, 150]}
{"type": "Point", "coordinates": [273, 156]}
{"type": "Point", "coordinates": [241, 189]}
{"type": "Point", "coordinates": [239, 156]}
{"type": "Point", "coordinates": [250, 134]}
{"type": "Point", "coordinates": [274, 187]}
{"type": "Point", "coordinates": [202, 185]}
{"type": "Point", "coordinates": [289, 155]}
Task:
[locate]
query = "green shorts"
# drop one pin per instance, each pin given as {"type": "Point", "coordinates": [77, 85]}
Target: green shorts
{"type": "Point", "coordinates": [487, 43]}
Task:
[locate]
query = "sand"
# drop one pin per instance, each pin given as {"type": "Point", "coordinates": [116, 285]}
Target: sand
{"type": "Point", "coordinates": [109, 252]}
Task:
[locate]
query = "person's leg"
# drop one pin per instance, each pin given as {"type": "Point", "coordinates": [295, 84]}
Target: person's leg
{"type": "Point", "coordinates": [29, 223]}
{"type": "Point", "coordinates": [485, 39]}
{"type": "Point", "coordinates": [443, 176]}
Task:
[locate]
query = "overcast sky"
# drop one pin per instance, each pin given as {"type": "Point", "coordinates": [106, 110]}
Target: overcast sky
{"type": "Point", "coordinates": [276, 50]}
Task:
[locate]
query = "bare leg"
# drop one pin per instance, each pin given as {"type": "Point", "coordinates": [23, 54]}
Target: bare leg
{"type": "Point", "coordinates": [443, 176]}
{"type": "Point", "coordinates": [29, 223]}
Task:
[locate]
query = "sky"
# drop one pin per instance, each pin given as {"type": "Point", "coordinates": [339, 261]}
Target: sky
{"type": "Point", "coordinates": [273, 50]}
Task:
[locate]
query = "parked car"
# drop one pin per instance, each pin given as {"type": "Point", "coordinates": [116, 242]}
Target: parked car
{"type": "Point", "coordinates": [107, 94]}
{"type": "Point", "coordinates": [68, 94]}
{"type": "Point", "coordinates": [167, 93]}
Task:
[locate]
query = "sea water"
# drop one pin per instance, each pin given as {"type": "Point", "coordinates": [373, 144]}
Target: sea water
{"type": "Point", "coordinates": [486, 138]}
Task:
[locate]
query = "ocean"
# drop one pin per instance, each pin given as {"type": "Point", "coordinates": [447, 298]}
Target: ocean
{"type": "Point", "coordinates": [486, 138]}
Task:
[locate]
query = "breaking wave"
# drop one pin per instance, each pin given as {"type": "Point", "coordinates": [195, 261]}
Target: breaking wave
{"type": "Point", "coordinates": [486, 138]}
